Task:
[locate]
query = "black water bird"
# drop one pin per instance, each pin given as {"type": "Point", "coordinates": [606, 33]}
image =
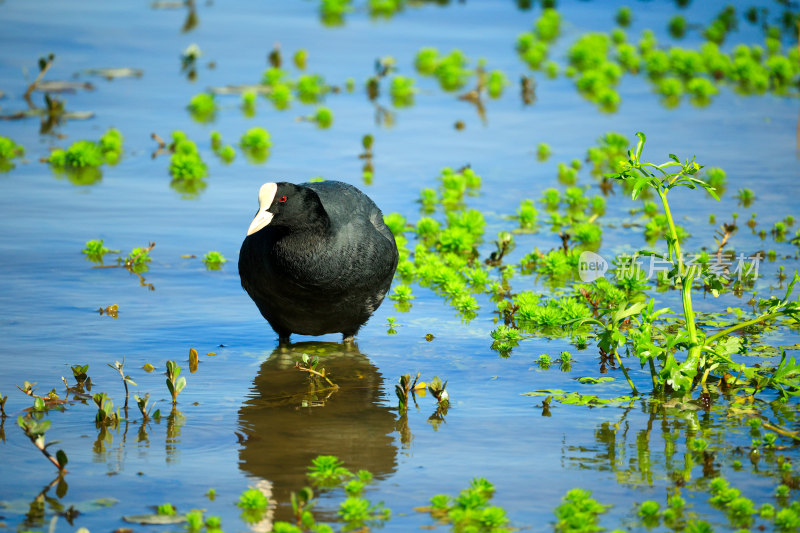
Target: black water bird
{"type": "Point", "coordinates": [317, 258]}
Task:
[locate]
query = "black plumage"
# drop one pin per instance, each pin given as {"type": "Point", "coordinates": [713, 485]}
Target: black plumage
{"type": "Point", "coordinates": [317, 259]}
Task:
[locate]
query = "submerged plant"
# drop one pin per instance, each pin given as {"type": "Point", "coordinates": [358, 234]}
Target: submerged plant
{"type": "Point", "coordinates": [119, 367]}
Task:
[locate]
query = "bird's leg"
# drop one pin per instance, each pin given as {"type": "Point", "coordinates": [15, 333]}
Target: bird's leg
{"type": "Point", "coordinates": [348, 339]}
{"type": "Point", "coordinates": [284, 339]}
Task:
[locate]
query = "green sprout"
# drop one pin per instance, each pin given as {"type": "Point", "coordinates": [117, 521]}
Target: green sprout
{"type": "Point", "coordinates": [175, 382]}
{"type": "Point", "coordinates": [119, 367]}
{"type": "Point", "coordinates": [106, 415]}
{"type": "Point", "coordinates": [403, 388]}
{"type": "Point", "coordinates": [143, 403]}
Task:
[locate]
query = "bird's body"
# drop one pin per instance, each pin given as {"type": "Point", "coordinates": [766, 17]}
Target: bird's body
{"type": "Point", "coordinates": [317, 258]}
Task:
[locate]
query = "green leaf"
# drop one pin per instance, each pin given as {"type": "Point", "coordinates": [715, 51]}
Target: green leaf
{"type": "Point", "coordinates": [181, 383]}
{"type": "Point", "coordinates": [61, 457]}
{"type": "Point", "coordinates": [593, 381]}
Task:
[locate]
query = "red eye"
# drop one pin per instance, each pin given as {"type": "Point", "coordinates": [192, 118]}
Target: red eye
{"type": "Point", "coordinates": [283, 199]}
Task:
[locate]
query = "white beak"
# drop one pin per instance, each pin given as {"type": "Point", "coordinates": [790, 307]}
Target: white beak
{"type": "Point", "coordinates": [266, 194]}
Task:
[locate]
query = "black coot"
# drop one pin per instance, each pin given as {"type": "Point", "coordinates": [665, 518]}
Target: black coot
{"type": "Point", "coordinates": [317, 258]}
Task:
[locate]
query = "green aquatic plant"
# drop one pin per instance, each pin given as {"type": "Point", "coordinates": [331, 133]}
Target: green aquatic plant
{"type": "Point", "coordinates": [138, 258]}
{"type": "Point", "coordinates": [175, 382]}
{"type": "Point", "coordinates": [300, 58]}
{"type": "Point", "coordinates": [704, 353]}
{"type": "Point", "coordinates": [35, 431]}
{"type": "Point", "coordinates": [203, 107]}
{"type": "Point", "coordinates": [404, 388]}
{"type": "Point", "coordinates": [9, 149]}
{"type": "Point", "coordinates": [402, 293]}
{"type": "Point", "coordinates": [527, 214]}
{"type": "Point", "coordinates": [402, 91]}
{"type": "Point", "coordinates": [624, 16]}
{"type": "Point", "coordinates": [255, 144]}
{"type": "Point", "coordinates": [496, 83]}
{"type": "Point", "coordinates": [126, 379]}
{"type": "Point", "coordinates": [186, 165]}
{"type": "Point", "coordinates": [470, 510]}
{"type": "Point", "coordinates": [328, 471]}
{"type": "Point", "coordinates": [249, 103]}
{"type": "Point", "coordinates": [451, 70]}
{"type": "Point", "coordinates": [95, 250]}
{"type": "Point", "coordinates": [332, 12]}
{"type": "Point", "coordinates": [146, 408]}
{"type": "Point", "coordinates": [311, 88]}
{"type": "Point", "coordinates": [543, 151]}
{"type": "Point", "coordinates": [578, 512]}
{"type": "Point", "coordinates": [214, 260]}
{"type": "Point", "coordinates": [106, 415]}
{"type": "Point", "coordinates": [323, 117]}
{"type": "Point", "coordinates": [111, 145]}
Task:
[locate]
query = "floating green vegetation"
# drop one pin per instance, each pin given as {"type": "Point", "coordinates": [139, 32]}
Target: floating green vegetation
{"type": "Point", "coordinates": [249, 99]}
{"type": "Point", "coordinates": [332, 12]}
{"type": "Point", "coordinates": [578, 512]}
{"type": "Point", "coordinates": [385, 8]}
{"type": "Point", "coordinates": [186, 166]}
{"type": "Point", "coordinates": [255, 144]}
{"type": "Point", "coordinates": [402, 91]}
{"type": "Point", "coordinates": [470, 510]}
{"type": "Point", "coordinates": [81, 161]}
{"type": "Point", "coordinates": [95, 250]}
{"type": "Point", "coordinates": [323, 117]}
{"type": "Point", "coordinates": [225, 152]}
{"type": "Point", "coordinates": [597, 61]}
{"type": "Point", "coordinates": [203, 107]}
{"type": "Point", "coordinates": [214, 260]}
{"type": "Point", "coordinates": [9, 150]}
{"type": "Point", "coordinates": [451, 70]}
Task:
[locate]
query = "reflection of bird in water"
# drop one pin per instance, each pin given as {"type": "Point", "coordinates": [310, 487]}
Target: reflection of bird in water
{"type": "Point", "coordinates": [287, 422]}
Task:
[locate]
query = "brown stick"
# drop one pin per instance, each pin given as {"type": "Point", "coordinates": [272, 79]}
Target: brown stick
{"type": "Point", "coordinates": [32, 86]}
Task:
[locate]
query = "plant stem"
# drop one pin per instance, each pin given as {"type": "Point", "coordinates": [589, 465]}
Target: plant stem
{"type": "Point", "coordinates": [741, 325]}
{"type": "Point", "coordinates": [624, 371]}
{"type": "Point", "coordinates": [653, 373]}
{"type": "Point", "coordinates": [686, 283]}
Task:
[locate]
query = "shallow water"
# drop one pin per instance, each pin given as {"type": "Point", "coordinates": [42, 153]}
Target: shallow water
{"type": "Point", "coordinates": [246, 414]}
